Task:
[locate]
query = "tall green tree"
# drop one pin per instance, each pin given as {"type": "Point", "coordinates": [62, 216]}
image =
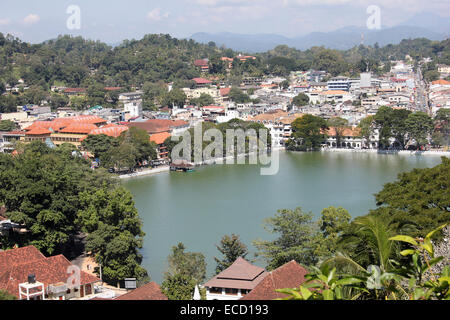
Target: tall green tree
{"type": "Point", "coordinates": [231, 248]}
{"type": "Point", "coordinates": [178, 287]}
{"type": "Point", "coordinates": [308, 133]}
{"type": "Point", "coordinates": [190, 264]}
{"type": "Point", "coordinates": [367, 127]}
{"type": "Point", "coordinates": [295, 239]}
{"type": "Point", "coordinates": [419, 126]}
{"type": "Point", "coordinates": [7, 125]}
{"type": "Point", "coordinates": [300, 100]}
{"type": "Point", "coordinates": [333, 223]}
{"type": "Point", "coordinates": [114, 233]}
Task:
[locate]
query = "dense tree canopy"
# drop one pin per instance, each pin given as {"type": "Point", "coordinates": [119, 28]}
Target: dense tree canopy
{"type": "Point", "coordinates": [420, 198]}
{"type": "Point", "coordinates": [231, 248]}
{"type": "Point", "coordinates": [308, 133]}
{"type": "Point", "coordinates": [56, 197]}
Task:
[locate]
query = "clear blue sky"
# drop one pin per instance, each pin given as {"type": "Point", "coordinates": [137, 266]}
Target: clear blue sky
{"type": "Point", "coordinates": [112, 20]}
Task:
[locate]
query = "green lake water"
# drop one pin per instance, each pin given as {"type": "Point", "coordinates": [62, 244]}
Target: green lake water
{"type": "Point", "coordinates": [199, 208]}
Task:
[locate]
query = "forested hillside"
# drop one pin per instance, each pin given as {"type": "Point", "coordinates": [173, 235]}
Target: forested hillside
{"type": "Point", "coordinates": [151, 62]}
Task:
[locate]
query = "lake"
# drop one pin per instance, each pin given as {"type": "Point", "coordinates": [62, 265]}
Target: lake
{"type": "Point", "coordinates": [199, 208]}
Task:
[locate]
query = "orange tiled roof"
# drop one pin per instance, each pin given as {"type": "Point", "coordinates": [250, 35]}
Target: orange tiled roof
{"type": "Point", "coordinates": [55, 126]}
{"type": "Point", "coordinates": [441, 82]}
{"type": "Point", "coordinates": [270, 116]}
{"type": "Point", "coordinates": [348, 132]}
{"type": "Point", "coordinates": [87, 119]}
{"type": "Point", "coordinates": [159, 138]}
{"type": "Point", "coordinates": [84, 128]}
{"type": "Point", "coordinates": [38, 131]}
{"type": "Point", "coordinates": [111, 130]}
{"type": "Point", "coordinates": [333, 92]}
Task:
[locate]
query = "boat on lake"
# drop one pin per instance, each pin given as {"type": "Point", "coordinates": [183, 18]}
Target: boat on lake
{"type": "Point", "coordinates": [182, 166]}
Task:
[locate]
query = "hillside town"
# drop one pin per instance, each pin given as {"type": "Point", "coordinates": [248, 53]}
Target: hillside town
{"type": "Point", "coordinates": [70, 228]}
{"type": "Point", "coordinates": [271, 103]}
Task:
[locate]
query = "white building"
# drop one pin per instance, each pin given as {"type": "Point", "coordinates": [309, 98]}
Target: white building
{"type": "Point", "coordinates": [234, 282]}
{"type": "Point", "coordinates": [133, 109]}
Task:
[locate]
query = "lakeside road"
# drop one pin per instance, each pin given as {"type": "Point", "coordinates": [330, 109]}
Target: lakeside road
{"type": "Point", "coordinates": [145, 172]}
{"type": "Point", "coordinates": [401, 152]}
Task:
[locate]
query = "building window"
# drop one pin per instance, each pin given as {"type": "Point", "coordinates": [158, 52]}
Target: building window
{"type": "Point", "coordinates": [215, 290]}
{"type": "Point", "coordinates": [233, 292]}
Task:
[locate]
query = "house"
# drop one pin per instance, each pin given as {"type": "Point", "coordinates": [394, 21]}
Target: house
{"type": "Point", "coordinates": [213, 110]}
{"type": "Point", "coordinates": [339, 83]}
{"type": "Point", "coordinates": [234, 282]}
{"type": "Point", "coordinates": [8, 138]}
{"type": "Point", "coordinates": [242, 58]}
{"type": "Point", "coordinates": [289, 275]}
{"type": "Point", "coordinates": [74, 91]}
{"type": "Point", "coordinates": [350, 139]}
{"type": "Point", "coordinates": [316, 76]}
{"type": "Point", "coordinates": [201, 82]}
{"type": "Point", "coordinates": [133, 109]}
{"type": "Point", "coordinates": [27, 274]}
{"type": "Point", "coordinates": [318, 86]}
{"type": "Point", "coordinates": [128, 97]}
{"type": "Point", "coordinates": [149, 291]}
{"type": "Point", "coordinates": [159, 139]}
{"type": "Point", "coordinates": [228, 61]}
{"type": "Point", "coordinates": [442, 68]}
{"type": "Point", "coordinates": [202, 64]}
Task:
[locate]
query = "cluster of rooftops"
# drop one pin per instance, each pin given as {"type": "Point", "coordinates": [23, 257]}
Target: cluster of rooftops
{"type": "Point", "coordinates": [26, 268]}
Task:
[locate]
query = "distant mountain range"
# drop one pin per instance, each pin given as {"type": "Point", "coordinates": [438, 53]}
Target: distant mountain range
{"type": "Point", "coordinates": [426, 25]}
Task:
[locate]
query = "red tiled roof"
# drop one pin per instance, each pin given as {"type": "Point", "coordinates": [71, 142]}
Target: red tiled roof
{"type": "Point", "coordinates": [150, 291]}
{"type": "Point", "coordinates": [290, 275]}
{"type": "Point", "coordinates": [74, 90]}
{"type": "Point", "coordinates": [213, 107]}
{"type": "Point", "coordinates": [17, 264]}
{"type": "Point", "coordinates": [201, 80]}
{"type": "Point", "coordinates": [112, 88]}
{"type": "Point", "coordinates": [225, 91]}
{"type": "Point", "coordinates": [240, 275]}
{"type": "Point", "coordinates": [200, 63]}
{"type": "Point", "coordinates": [14, 257]}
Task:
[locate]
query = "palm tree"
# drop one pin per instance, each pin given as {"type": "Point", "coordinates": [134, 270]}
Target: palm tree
{"type": "Point", "coordinates": [369, 252]}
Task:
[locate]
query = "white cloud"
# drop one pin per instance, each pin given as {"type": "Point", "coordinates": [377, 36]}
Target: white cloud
{"type": "Point", "coordinates": [156, 15]}
{"type": "Point", "coordinates": [31, 19]}
{"type": "Point", "coordinates": [5, 22]}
